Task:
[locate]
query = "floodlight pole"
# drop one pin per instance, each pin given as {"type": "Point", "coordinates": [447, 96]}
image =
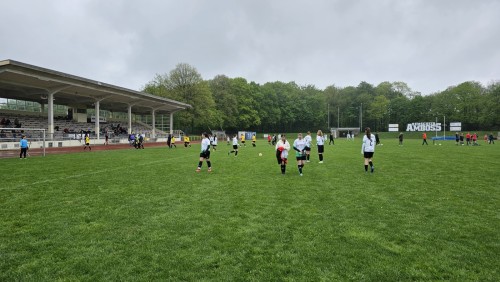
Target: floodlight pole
{"type": "Point", "coordinates": [361, 118]}
{"type": "Point", "coordinates": [435, 127]}
{"type": "Point", "coordinates": [328, 116]}
{"type": "Point", "coordinates": [444, 127]}
{"type": "Point", "coordinates": [338, 117]}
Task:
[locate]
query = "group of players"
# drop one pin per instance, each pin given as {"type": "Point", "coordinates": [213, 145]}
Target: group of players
{"type": "Point", "coordinates": [301, 147]}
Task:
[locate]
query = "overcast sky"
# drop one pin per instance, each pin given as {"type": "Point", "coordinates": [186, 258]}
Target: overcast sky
{"type": "Point", "coordinates": [428, 44]}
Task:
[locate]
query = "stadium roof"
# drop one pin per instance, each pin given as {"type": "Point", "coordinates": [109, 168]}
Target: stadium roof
{"type": "Point", "coordinates": [31, 83]}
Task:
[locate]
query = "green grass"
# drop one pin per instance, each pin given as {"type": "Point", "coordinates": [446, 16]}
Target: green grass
{"type": "Point", "coordinates": [427, 213]}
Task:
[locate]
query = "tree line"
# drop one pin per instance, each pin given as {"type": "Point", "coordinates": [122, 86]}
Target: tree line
{"type": "Point", "coordinates": [234, 104]}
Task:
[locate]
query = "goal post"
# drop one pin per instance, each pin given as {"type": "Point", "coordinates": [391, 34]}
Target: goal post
{"type": "Point", "coordinates": [32, 134]}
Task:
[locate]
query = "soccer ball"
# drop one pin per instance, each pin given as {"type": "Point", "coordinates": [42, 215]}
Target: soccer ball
{"type": "Point", "coordinates": [439, 144]}
{"type": "Point", "coordinates": [260, 154]}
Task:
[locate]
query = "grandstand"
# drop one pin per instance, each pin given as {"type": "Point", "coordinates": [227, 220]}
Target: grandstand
{"type": "Point", "coordinates": [67, 106]}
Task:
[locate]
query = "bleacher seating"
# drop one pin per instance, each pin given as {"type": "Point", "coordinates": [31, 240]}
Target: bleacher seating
{"type": "Point", "coordinates": [64, 129]}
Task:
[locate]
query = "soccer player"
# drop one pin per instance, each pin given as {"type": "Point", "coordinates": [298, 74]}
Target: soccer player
{"type": "Point", "coordinates": [23, 144]}
{"type": "Point", "coordinates": [282, 147]}
{"type": "Point", "coordinates": [467, 137]}
{"type": "Point", "coordinates": [400, 139]}
{"type": "Point", "coordinates": [205, 153]}
{"type": "Point", "coordinates": [214, 143]}
{"type": "Point", "coordinates": [308, 141]}
{"type": "Point", "coordinates": [242, 139]}
{"type": "Point", "coordinates": [424, 138]}
{"type": "Point", "coordinates": [368, 149]}
{"type": "Point", "coordinates": [172, 144]}
{"type": "Point", "coordinates": [269, 139]}
{"type": "Point", "coordinates": [169, 141]}
{"type": "Point", "coordinates": [87, 142]}
{"type": "Point", "coordinates": [235, 146]}
{"type": "Point", "coordinates": [331, 139]}
{"type": "Point", "coordinates": [187, 142]}
{"type": "Point", "coordinates": [299, 145]}
{"type": "Point", "coordinates": [320, 141]}
{"type": "Point", "coordinates": [254, 139]}
{"type": "Point", "coordinates": [140, 144]}
{"type": "Point", "coordinates": [457, 138]}
{"type": "Point", "coordinates": [106, 138]}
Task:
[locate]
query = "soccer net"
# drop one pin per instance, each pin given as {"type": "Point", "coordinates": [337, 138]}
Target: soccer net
{"type": "Point", "coordinates": [36, 137]}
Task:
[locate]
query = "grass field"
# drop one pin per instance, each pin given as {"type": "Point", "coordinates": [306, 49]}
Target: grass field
{"type": "Point", "coordinates": [427, 213]}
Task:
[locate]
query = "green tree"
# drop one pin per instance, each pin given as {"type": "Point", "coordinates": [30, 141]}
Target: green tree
{"type": "Point", "coordinates": [379, 111]}
{"type": "Point", "coordinates": [185, 84]}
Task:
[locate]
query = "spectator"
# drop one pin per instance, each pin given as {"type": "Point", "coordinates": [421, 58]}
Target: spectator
{"type": "Point", "coordinates": [24, 147]}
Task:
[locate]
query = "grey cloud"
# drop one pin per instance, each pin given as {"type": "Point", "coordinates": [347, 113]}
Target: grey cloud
{"type": "Point", "coordinates": [428, 44]}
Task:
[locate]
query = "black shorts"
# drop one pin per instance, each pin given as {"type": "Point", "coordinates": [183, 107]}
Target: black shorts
{"type": "Point", "coordinates": [308, 149]}
{"type": "Point", "coordinates": [301, 158]}
{"type": "Point", "coordinates": [368, 155]}
{"type": "Point", "coordinates": [321, 148]}
{"type": "Point", "coordinates": [205, 154]}
{"type": "Point", "coordinates": [87, 144]}
{"type": "Point", "coordinates": [235, 147]}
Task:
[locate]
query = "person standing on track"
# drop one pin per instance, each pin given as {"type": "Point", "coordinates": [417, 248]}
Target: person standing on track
{"type": "Point", "coordinates": [368, 149]}
{"type": "Point", "coordinates": [23, 144]}
{"type": "Point", "coordinates": [87, 142]}
{"type": "Point", "coordinates": [205, 153]}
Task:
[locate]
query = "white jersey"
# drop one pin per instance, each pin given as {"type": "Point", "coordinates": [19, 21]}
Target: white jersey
{"type": "Point", "coordinates": [214, 142]}
{"type": "Point", "coordinates": [300, 144]}
{"type": "Point", "coordinates": [205, 144]}
{"type": "Point", "coordinates": [308, 140]}
{"type": "Point", "coordinates": [286, 147]}
{"type": "Point", "coordinates": [368, 144]}
{"type": "Point", "coordinates": [320, 140]}
{"type": "Point", "coordinates": [235, 141]}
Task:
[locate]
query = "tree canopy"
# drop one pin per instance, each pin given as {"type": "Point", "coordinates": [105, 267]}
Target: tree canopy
{"type": "Point", "coordinates": [235, 104]}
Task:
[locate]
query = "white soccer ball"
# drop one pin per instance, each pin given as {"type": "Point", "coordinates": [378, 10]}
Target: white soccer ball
{"type": "Point", "coordinates": [260, 154]}
{"type": "Point", "coordinates": [439, 144]}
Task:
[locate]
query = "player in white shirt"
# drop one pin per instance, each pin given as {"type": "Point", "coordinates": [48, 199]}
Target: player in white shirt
{"type": "Point", "coordinates": [368, 149]}
{"type": "Point", "coordinates": [299, 145]}
{"type": "Point", "coordinates": [205, 153]}
{"type": "Point", "coordinates": [308, 140]}
{"type": "Point", "coordinates": [320, 141]}
{"type": "Point", "coordinates": [235, 146]}
{"type": "Point", "coordinates": [282, 148]}
{"type": "Point", "coordinates": [214, 142]}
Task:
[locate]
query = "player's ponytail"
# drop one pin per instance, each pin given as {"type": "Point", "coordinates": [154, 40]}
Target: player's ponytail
{"type": "Point", "coordinates": [368, 133]}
